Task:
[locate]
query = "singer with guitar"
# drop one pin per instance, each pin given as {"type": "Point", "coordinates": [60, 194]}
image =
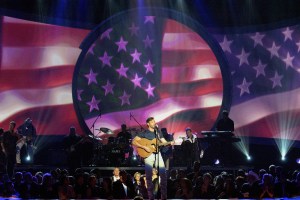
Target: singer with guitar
{"type": "Point", "coordinates": [147, 144]}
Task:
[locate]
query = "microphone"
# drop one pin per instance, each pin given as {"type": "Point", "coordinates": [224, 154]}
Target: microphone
{"type": "Point", "coordinates": [130, 116]}
{"type": "Point", "coordinates": [156, 126]}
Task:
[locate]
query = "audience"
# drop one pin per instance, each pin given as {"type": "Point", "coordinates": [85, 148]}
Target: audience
{"type": "Point", "coordinates": [273, 182]}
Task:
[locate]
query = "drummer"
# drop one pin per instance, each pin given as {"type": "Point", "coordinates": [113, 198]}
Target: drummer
{"type": "Point", "coordinates": [124, 135]}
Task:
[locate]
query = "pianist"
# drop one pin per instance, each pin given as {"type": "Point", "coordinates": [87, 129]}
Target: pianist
{"type": "Point", "coordinates": [225, 123]}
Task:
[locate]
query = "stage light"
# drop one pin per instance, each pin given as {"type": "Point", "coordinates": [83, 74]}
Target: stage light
{"type": "Point", "coordinates": [298, 161]}
{"type": "Point", "coordinates": [283, 125]}
{"type": "Point", "coordinates": [217, 162]}
{"type": "Point", "coordinates": [28, 158]}
{"type": "Point", "coordinates": [283, 158]}
{"type": "Point", "coordinates": [243, 146]}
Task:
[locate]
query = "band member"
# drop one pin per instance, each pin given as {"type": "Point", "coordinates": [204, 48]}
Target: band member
{"type": "Point", "coordinates": [190, 146]}
{"type": "Point", "coordinates": [2, 154]}
{"type": "Point", "coordinates": [155, 158]}
{"type": "Point", "coordinates": [167, 151]}
{"type": "Point", "coordinates": [10, 139]}
{"type": "Point", "coordinates": [225, 123]}
{"type": "Point", "coordinates": [124, 141]}
{"type": "Point", "coordinates": [71, 144]}
{"type": "Point", "coordinates": [28, 131]}
{"type": "Point", "coordinates": [124, 134]}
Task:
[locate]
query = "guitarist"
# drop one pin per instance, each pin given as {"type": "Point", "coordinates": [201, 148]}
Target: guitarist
{"type": "Point", "coordinates": [28, 132]}
{"type": "Point", "coordinates": [71, 143]}
{"type": "Point", "coordinates": [154, 159]}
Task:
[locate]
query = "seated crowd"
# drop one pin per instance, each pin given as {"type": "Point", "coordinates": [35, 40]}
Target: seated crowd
{"type": "Point", "coordinates": [273, 182]}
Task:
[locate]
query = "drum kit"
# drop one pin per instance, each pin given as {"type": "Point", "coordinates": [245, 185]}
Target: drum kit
{"type": "Point", "coordinates": [110, 150]}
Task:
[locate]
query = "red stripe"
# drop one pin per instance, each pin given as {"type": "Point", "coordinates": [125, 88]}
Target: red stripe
{"type": "Point", "coordinates": [36, 78]}
{"type": "Point", "coordinates": [173, 26]}
{"type": "Point", "coordinates": [189, 74]}
{"type": "Point", "coordinates": [36, 34]}
{"type": "Point", "coordinates": [190, 89]}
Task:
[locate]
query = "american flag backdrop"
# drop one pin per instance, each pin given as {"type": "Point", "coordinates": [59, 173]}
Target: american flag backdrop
{"type": "Point", "coordinates": [37, 64]}
{"type": "Point", "coordinates": [265, 74]}
{"type": "Point", "coordinates": [147, 66]}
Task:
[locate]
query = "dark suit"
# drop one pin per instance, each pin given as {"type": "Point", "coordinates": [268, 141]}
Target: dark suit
{"type": "Point", "coordinates": [119, 191]}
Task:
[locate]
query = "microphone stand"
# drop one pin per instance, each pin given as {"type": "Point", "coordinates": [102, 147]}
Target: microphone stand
{"type": "Point", "coordinates": [136, 121]}
{"type": "Point", "coordinates": [156, 132]}
{"type": "Point", "coordinates": [97, 146]}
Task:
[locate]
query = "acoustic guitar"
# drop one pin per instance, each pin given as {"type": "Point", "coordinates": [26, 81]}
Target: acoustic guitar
{"type": "Point", "coordinates": [149, 143]}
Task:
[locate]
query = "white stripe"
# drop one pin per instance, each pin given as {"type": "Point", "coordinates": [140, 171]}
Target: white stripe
{"type": "Point", "coordinates": [261, 107]}
{"type": "Point", "coordinates": [14, 101]}
{"type": "Point", "coordinates": [189, 74]}
{"type": "Point", "coordinates": [38, 57]}
{"type": "Point", "coordinates": [160, 110]}
{"type": "Point", "coordinates": [183, 41]}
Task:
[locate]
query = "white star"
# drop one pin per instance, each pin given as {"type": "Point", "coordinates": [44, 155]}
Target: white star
{"type": "Point", "coordinates": [149, 90]}
{"type": "Point", "coordinates": [134, 29]}
{"type": "Point", "coordinates": [106, 34]}
{"type": "Point", "coordinates": [288, 60]}
{"type": "Point", "coordinates": [226, 44]}
{"type": "Point", "coordinates": [105, 59]}
{"type": "Point", "coordinates": [274, 50]}
{"type": "Point", "coordinates": [136, 56]}
{"type": "Point", "coordinates": [122, 71]}
{"type": "Point", "coordinates": [125, 98]}
{"type": "Point", "coordinates": [137, 81]}
{"type": "Point", "coordinates": [149, 67]}
{"type": "Point", "coordinates": [257, 38]}
{"type": "Point", "coordinates": [287, 34]}
{"type": "Point", "coordinates": [149, 19]}
{"type": "Point", "coordinates": [79, 92]}
{"type": "Point", "coordinates": [91, 77]}
{"type": "Point", "coordinates": [298, 44]}
{"type": "Point", "coordinates": [260, 69]}
{"type": "Point", "coordinates": [93, 104]}
{"type": "Point", "coordinates": [276, 80]}
{"type": "Point", "coordinates": [121, 44]}
{"type": "Point", "coordinates": [243, 57]}
{"type": "Point", "coordinates": [244, 87]}
{"type": "Point", "coordinates": [148, 42]}
{"type": "Point", "coordinates": [108, 88]}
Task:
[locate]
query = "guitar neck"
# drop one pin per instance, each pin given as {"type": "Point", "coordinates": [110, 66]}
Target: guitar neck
{"type": "Point", "coordinates": [164, 144]}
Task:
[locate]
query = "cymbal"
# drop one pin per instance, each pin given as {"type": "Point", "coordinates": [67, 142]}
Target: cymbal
{"type": "Point", "coordinates": [94, 137]}
{"type": "Point", "coordinates": [106, 130]}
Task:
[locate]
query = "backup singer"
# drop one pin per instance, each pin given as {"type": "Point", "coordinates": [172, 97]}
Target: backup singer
{"type": "Point", "coordinates": [190, 146]}
{"type": "Point", "coordinates": [154, 159]}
